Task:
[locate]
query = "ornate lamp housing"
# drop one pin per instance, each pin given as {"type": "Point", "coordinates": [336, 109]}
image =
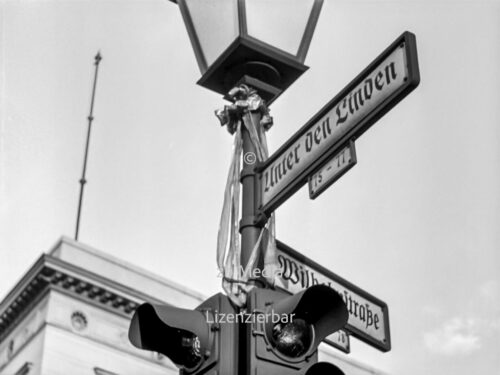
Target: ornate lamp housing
{"type": "Point", "coordinates": [262, 43]}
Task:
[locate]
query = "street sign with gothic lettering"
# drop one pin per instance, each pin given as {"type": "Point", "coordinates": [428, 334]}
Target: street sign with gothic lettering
{"type": "Point", "coordinates": [368, 316]}
{"type": "Point", "coordinates": [385, 82]}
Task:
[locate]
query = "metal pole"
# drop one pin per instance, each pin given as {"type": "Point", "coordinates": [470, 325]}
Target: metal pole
{"type": "Point", "coordinates": [249, 231]}
{"type": "Point", "coordinates": [90, 118]}
{"type": "Point", "coordinates": [249, 228]}
{"type": "Point", "coordinates": [250, 112]}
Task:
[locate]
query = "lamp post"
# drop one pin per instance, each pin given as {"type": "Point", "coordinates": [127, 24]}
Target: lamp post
{"type": "Point", "coordinates": [250, 51]}
{"type": "Point", "coordinates": [258, 43]}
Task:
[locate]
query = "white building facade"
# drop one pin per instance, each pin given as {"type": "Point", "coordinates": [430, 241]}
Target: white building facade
{"type": "Point", "coordinates": [70, 313]}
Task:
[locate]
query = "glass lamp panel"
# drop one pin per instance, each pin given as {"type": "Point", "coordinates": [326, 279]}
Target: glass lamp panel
{"type": "Point", "coordinates": [280, 23]}
{"type": "Point", "coordinates": [216, 25]}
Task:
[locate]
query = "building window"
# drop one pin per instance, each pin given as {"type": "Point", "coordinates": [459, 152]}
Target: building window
{"type": "Point", "coordinates": [25, 369]}
{"type": "Point", "coordinates": [100, 371]}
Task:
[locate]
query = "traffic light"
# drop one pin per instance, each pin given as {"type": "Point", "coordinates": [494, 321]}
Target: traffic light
{"type": "Point", "coordinates": [192, 339]}
{"type": "Point", "coordinates": [286, 330]}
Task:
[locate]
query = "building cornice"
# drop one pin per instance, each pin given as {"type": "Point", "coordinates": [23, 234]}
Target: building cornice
{"type": "Point", "coordinates": [64, 240]}
{"type": "Point", "coordinates": [52, 273]}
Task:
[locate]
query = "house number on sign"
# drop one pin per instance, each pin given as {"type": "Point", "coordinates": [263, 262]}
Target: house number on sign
{"type": "Point", "coordinates": [332, 170]}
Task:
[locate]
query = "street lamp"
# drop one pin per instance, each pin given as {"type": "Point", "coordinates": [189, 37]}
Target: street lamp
{"type": "Point", "coordinates": [261, 43]}
{"type": "Point", "coordinates": [250, 51]}
{"type": "Point", "coordinates": [256, 44]}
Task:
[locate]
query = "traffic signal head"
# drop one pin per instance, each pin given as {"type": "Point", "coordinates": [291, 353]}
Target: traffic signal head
{"type": "Point", "coordinates": [306, 319]}
{"type": "Point", "coordinates": [182, 335]}
{"type": "Point", "coordinates": [287, 329]}
{"type": "Point", "coordinates": [190, 338]}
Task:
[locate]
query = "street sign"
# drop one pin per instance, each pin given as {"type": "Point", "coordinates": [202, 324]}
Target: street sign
{"type": "Point", "coordinates": [378, 88]}
{"type": "Point", "coordinates": [332, 170]}
{"type": "Point", "coordinates": [368, 316]}
{"type": "Point", "coordinates": [339, 340]}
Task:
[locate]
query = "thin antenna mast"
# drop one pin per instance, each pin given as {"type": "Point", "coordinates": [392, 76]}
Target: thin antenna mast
{"type": "Point", "coordinates": [83, 181]}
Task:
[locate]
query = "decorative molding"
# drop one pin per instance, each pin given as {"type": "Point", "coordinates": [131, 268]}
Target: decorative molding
{"type": "Point", "coordinates": [11, 313]}
{"type": "Point", "coordinates": [79, 320]}
{"type": "Point", "coordinates": [66, 242]}
{"type": "Point", "coordinates": [45, 276]}
{"type": "Point", "coordinates": [89, 291]}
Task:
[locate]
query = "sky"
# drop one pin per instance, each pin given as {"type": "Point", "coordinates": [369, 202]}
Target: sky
{"type": "Point", "coordinates": [415, 222]}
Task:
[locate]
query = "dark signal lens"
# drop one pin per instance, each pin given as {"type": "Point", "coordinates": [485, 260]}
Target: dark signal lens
{"type": "Point", "coordinates": [191, 350]}
{"type": "Point", "coordinates": [294, 338]}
